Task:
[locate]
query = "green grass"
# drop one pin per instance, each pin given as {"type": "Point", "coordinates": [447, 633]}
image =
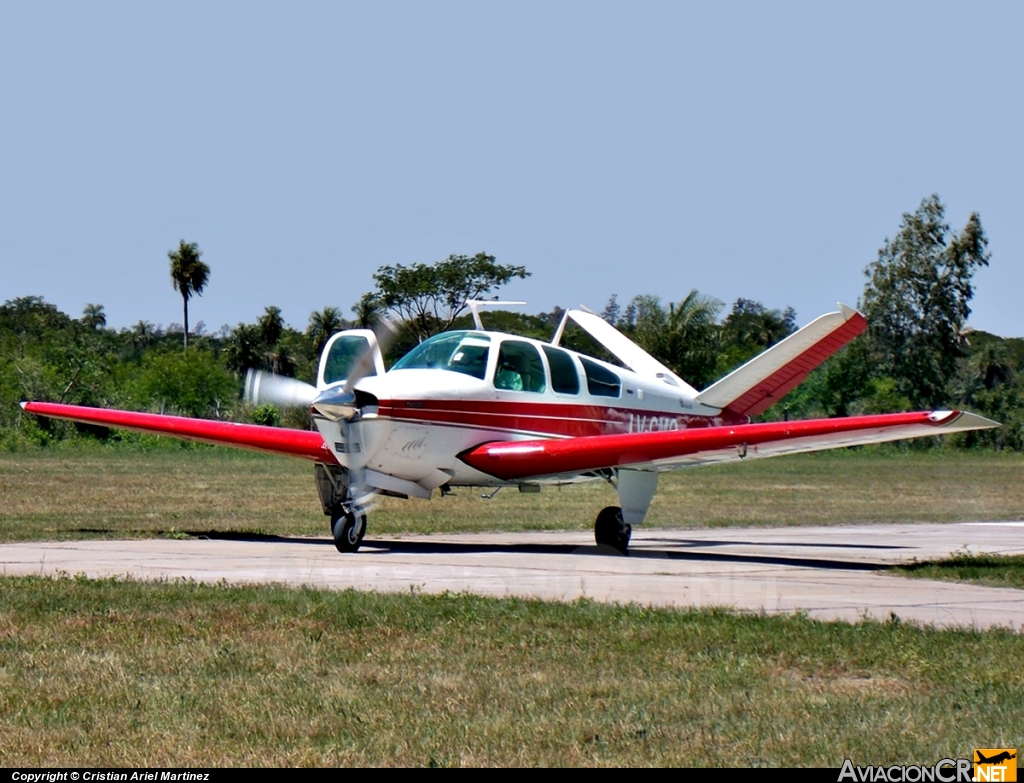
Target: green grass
{"type": "Point", "coordinates": [993, 570]}
{"type": "Point", "coordinates": [97, 492]}
{"type": "Point", "coordinates": [176, 674]}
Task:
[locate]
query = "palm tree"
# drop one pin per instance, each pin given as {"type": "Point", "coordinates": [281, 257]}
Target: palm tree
{"type": "Point", "coordinates": [271, 326]}
{"type": "Point", "coordinates": [142, 335]}
{"type": "Point", "coordinates": [368, 310]}
{"type": "Point", "coordinates": [94, 317]}
{"type": "Point", "coordinates": [322, 325]}
{"type": "Point", "coordinates": [683, 336]}
{"type": "Point", "coordinates": [189, 275]}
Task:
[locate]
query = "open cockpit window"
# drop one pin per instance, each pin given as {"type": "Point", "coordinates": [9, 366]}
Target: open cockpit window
{"type": "Point", "coordinates": [519, 368]}
{"type": "Point", "coordinates": [464, 352]}
{"type": "Point", "coordinates": [345, 352]}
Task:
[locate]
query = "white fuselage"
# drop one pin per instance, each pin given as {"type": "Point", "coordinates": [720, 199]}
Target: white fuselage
{"type": "Point", "coordinates": [424, 417]}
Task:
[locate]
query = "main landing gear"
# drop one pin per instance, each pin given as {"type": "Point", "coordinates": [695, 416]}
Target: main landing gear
{"type": "Point", "coordinates": [610, 530]}
{"type": "Point", "coordinates": [348, 529]}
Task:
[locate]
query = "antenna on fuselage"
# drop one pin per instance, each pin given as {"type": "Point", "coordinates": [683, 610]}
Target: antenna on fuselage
{"type": "Point", "coordinates": [473, 304]}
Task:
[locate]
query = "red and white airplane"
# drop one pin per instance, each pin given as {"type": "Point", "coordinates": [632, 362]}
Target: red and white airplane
{"type": "Point", "coordinates": [485, 409]}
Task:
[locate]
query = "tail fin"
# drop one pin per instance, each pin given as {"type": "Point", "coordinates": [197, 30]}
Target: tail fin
{"type": "Point", "coordinates": [768, 377]}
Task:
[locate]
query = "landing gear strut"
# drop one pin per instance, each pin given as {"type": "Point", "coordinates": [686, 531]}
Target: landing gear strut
{"type": "Point", "coordinates": [348, 529]}
{"type": "Point", "coordinates": [610, 530]}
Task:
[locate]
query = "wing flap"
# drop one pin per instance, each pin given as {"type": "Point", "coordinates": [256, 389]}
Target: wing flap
{"type": "Point", "coordinates": [275, 440]}
{"type": "Point", "coordinates": [512, 460]}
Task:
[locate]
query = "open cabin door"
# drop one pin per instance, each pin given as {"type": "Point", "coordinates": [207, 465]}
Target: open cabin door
{"type": "Point", "coordinates": [622, 348]}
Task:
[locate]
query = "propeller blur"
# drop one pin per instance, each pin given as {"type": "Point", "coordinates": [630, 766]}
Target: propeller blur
{"type": "Point", "coordinates": [265, 388]}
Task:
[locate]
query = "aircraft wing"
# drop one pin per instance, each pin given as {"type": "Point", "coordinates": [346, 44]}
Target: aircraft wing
{"type": "Point", "coordinates": [276, 440]}
{"type": "Point", "coordinates": [513, 460]}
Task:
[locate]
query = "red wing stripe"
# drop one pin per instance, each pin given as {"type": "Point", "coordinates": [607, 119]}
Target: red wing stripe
{"type": "Point", "coordinates": [511, 460]}
{"type": "Point", "coordinates": [276, 440]}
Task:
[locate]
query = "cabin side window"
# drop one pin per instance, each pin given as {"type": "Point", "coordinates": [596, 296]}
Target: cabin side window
{"type": "Point", "coordinates": [519, 368]}
{"type": "Point", "coordinates": [564, 378]}
{"type": "Point", "coordinates": [601, 382]}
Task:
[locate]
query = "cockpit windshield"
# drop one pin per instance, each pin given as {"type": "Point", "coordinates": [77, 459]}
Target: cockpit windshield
{"type": "Point", "coordinates": [464, 352]}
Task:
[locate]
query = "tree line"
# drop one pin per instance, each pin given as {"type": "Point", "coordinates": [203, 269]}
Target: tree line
{"type": "Point", "coordinates": [917, 353]}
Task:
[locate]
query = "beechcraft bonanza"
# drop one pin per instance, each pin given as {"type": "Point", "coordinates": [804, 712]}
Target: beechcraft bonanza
{"type": "Point", "coordinates": [484, 409]}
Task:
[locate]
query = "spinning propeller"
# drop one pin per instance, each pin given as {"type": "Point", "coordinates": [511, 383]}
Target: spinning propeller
{"type": "Point", "coordinates": [339, 404]}
{"type": "Point", "coordinates": [265, 387]}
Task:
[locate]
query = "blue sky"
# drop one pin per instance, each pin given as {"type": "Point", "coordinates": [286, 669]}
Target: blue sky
{"type": "Point", "coordinates": [745, 149]}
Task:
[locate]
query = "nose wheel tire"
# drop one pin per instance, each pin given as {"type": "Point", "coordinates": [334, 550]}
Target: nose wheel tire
{"type": "Point", "coordinates": [610, 530]}
{"type": "Point", "coordinates": [348, 530]}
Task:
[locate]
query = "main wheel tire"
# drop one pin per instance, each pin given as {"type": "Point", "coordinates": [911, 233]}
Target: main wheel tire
{"type": "Point", "coordinates": [348, 530]}
{"type": "Point", "coordinates": [609, 529]}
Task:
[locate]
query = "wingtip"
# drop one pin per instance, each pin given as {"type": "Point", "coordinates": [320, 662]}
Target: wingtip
{"type": "Point", "coordinates": [961, 421]}
{"type": "Point", "coordinates": [982, 423]}
{"type": "Point", "coordinates": [847, 311]}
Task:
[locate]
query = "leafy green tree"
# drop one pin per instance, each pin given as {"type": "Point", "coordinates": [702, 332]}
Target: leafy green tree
{"type": "Point", "coordinates": [281, 345]}
{"type": "Point", "coordinates": [509, 322]}
{"type": "Point", "coordinates": [916, 301]}
{"type": "Point", "coordinates": [847, 378]}
{"type": "Point", "coordinates": [683, 335]}
{"type": "Point", "coordinates": [46, 355]}
{"type": "Point", "coordinates": [270, 344]}
{"type": "Point", "coordinates": [990, 381]}
{"type": "Point", "coordinates": [754, 324]}
{"type": "Point", "coordinates": [281, 359]}
{"type": "Point", "coordinates": [194, 383]}
{"type": "Point", "coordinates": [429, 297]}
{"type": "Point", "coordinates": [27, 320]}
{"type": "Point", "coordinates": [267, 415]}
{"type": "Point", "coordinates": [749, 329]}
{"type": "Point", "coordinates": [612, 311]}
{"type": "Point", "coordinates": [189, 275]}
{"type": "Point", "coordinates": [244, 348]}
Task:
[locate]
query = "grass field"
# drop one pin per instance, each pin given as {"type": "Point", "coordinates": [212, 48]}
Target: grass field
{"type": "Point", "coordinates": [116, 673]}
{"type": "Point", "coordinates": [985, 569]}
{"type": "Point", "coordinates": [121, 673]}
{"type": "Point", "coordinates": [118, 493]}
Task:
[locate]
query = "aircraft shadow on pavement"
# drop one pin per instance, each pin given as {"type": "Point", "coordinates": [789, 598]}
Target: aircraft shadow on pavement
{"type": "Point", "coordinates": [431, 547]}
{"type": "Point", "coordinates": [399, 546]}
{"type": "Point", "coordinates": [730, 542]}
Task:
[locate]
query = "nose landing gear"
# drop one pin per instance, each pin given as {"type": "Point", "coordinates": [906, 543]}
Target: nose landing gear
{"type": "Point", "coordinates": [348, 529]}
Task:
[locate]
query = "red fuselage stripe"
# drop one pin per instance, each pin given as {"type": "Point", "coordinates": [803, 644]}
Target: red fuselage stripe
{"type": "Point", "coordinates": [560, 420]}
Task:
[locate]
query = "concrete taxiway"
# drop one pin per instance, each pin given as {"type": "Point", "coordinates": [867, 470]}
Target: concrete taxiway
{"type": "Point", "coordinates": [825, 572]}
